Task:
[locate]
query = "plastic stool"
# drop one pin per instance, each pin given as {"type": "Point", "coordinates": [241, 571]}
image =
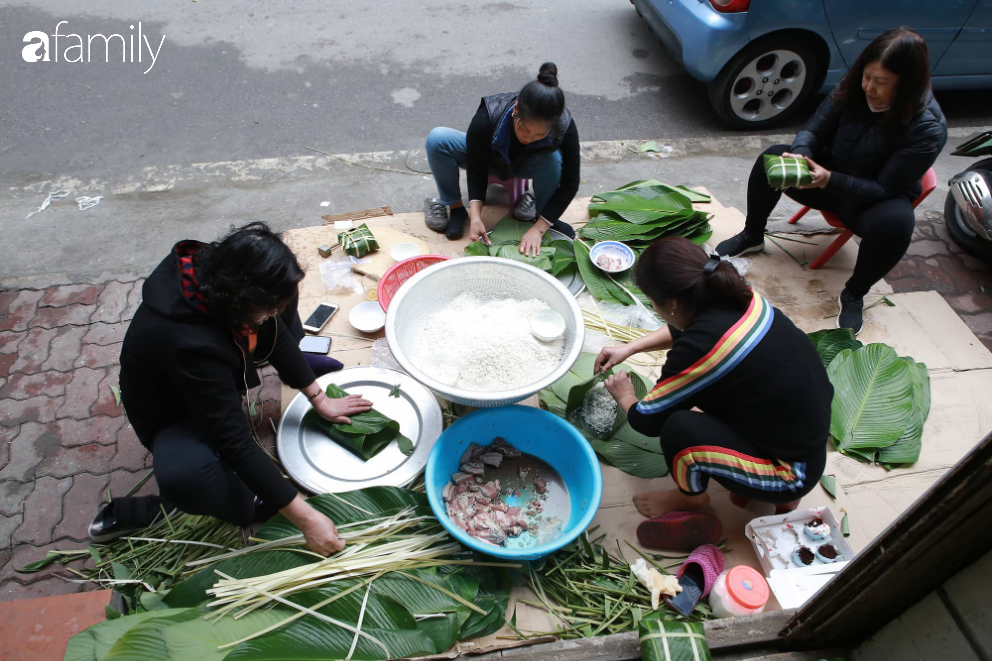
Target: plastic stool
{"type": "Point", "coordinates": [515, 188]}
{"type": "Point", "coordinates": [928, 183]}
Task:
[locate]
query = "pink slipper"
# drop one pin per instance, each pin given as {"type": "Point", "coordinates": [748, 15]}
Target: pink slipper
{"type": "Point", "coordinates": [680, 531]}
{"type": "Point", "coordinates": [710, 560]}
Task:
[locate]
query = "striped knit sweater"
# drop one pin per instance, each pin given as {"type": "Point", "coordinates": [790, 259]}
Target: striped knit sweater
{"type": "Point", "coordinates": [752, 369]}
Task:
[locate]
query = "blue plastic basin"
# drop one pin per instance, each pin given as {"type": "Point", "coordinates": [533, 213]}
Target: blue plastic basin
{"type": "Point", "coordinates": [535, 432]}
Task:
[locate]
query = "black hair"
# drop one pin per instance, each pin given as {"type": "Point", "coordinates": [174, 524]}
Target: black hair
{"type": "Point", "coordinates": [675, 268]}
{"type": "Point", "coordinates": [542, 100]}
{"type": "Point", "coordinates": [250, 270]}
{"type": "Point", "coordinates": [903, 52]}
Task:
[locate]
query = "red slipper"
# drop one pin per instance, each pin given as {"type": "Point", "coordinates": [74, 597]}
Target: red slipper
{"type": "Point", "coordinates": [680, 531]}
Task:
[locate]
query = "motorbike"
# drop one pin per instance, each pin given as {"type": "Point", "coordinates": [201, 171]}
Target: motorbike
{"type": "Point", "coordinates": [968, 207]}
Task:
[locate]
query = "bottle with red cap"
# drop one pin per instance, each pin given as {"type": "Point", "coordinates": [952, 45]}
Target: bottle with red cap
{"type": "Point", "coordinates": [739, 591]}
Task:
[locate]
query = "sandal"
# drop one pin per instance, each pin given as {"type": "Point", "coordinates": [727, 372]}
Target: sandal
{"type": "Point", "coordinates": [697, 576]}
{"type": "Point", "coordinates": [680, 531]}
{"type": "Point", "coordinates": [123, 516]}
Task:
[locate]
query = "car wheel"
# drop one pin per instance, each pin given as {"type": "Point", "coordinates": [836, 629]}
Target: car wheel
{"type": "Point", "coordinates": [962, 233]}
{"type": "Point", "coordinates": [766, 82]}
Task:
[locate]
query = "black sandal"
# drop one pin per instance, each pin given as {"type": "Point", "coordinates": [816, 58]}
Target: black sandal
{"type": "Point", "coordinates": [123, 516]}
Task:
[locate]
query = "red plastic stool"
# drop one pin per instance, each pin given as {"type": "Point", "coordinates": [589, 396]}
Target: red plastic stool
{"type": "Point", "coordinates": [929, 182]}
{"type": "Point", "coordinates": [515, 188]}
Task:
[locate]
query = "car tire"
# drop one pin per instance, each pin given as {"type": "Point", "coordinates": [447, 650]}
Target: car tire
{"type": "Point", "coordinates": [963, 235]}
{"type": "Point", "coordinates": [740, 93]}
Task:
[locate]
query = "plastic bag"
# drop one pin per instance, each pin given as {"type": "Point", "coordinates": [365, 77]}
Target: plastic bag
{"type": "Point", "coordinates": [634, 316]}
{"type": "Point", "coordinates": [338, 278]}
{"type": "Point", "coordinates": [382, 356]}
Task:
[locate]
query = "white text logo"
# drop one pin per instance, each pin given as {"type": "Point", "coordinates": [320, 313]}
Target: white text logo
{"type": "Point", "coordinates": [72, 48]}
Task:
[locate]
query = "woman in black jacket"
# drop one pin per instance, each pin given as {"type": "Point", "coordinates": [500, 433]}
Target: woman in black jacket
{"type": "Point", "coordinates": [868, 146]}
{"type": "Point", "coordinates": [527, 135]}
{"type": "Point", "coordinates": [209, 312]}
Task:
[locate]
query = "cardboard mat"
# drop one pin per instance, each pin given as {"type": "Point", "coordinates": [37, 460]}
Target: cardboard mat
{"type": "Point", "coordinates": [920, 325]}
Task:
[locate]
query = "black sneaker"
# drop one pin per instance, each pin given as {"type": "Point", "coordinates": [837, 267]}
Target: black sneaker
{"type": "Point", "coordinates": [125, 516]}
{"type": "Point", "coordinates": [564, 228]}
{"type": "Point", "coordinates": [851, 311]}
{"type": "Point", "coordinates": [741, 244]}
{"type": "Point", "coordinates": [526, 208]}
{"type": "Point", "coordinates": [435, 214]}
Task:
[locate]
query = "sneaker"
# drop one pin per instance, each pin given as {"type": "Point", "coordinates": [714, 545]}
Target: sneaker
{"type": "Point", "coordinates": [435, 214]}
{"type": "Point", "coordinates": [125, 516]}
{"type": "Point", "coordinates": [741, 244]}
{"type": "Point", "coordinates": [851, 311]}
{"type": "Point", "coordinates": [564, 228]}
{"type": "Point", "coordinates": [526, 208]}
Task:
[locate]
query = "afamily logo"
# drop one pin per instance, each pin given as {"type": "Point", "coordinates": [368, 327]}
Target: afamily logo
{"type": "Point", "coordinates": [72, 49]}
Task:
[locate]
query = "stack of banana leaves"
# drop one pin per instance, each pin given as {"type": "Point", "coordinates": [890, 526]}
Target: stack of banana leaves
{"type": "Point", "coordinates": [400, 588]}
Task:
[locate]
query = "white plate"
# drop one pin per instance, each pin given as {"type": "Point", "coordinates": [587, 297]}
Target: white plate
{"type": "Point", "coordinates": [403, 251]}
{"type": "Point", "coordinates": [367, 317]}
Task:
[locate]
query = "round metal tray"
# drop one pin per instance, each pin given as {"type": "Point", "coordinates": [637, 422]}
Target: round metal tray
{"type": "Point", "coordinates": [322, 466]}
{"type": "Point", "coordinates": [572, 281]}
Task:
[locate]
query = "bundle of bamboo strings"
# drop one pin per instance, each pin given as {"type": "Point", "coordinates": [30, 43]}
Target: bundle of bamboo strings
{"type": "Point", "coordinates": [620, 334]}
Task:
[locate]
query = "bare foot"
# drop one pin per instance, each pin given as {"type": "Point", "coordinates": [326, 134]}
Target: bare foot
{"type": "Point", "coordinates": [659, 503]}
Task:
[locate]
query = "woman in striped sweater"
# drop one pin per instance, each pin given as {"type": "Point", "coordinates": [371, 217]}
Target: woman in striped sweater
{"type": "Point", "coordinates": [743, 397]}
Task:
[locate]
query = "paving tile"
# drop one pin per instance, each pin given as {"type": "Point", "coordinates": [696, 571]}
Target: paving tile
{"type": "Point", "coordinates": [980, 324]}
{"type": "Point", "coordinates": [34, 409]}
{"type": "Point", "coordinates": [112, 302]}
{"type": "Point", "coordinates": [7, 434]}
{"type": "Point", "coordinates": [49, 587]}
{"type": "Point", "coordinates": [80, 505]}
{"type": "Point", "coordinates": [106, 403]}
{"type": "Point", "coordinates": [24, 386]}
{"type": "Point", "coordinates": [6, 298]}
{"type": "Point", "coordinates": [42, 511]}
{"type": "Point", "coordinates": [33, 443]}
{"type": "Point", "coordinates": [10, 340]}
{"type": "Point", "coordinates": [6, 360]}
{"type": "Point", "coordinates": [131, 453]}
{"type": "Point", "coordinates": [65, 348]}
{"type": "Point", "coordinates": [105, 333]}
{"type": "Point", "coordinates": [12, 494]}
{"type": "Point", "coordinates": [70, 315]}
{"type": "Point", "coordinates": [39, 629]}
{"type": "Point", "coordinates": [21, 310]}
{"type": "Point", "coordinates": [68, 294]}
{"type": "Point", "coordinates": [9, 523]}
{"type": "Point", "coordinates": [24, 554]}
{"type": "Point", "coordinates": [81, 393]}
{"type": "Point", "coordinates": [95, 355]}
{"type": "Point", "coordinates": [926, 248]}
{"type": "Point", "coordinates": [133, 300]}
{"type": "Point", "coordinates": [971, 303]}
{"type": "Point", "coordinates": [91, 458]}
{"type": "Point", "coordinates": [33, 350]}
{"type": "Point", "coordinates": [101, 429]}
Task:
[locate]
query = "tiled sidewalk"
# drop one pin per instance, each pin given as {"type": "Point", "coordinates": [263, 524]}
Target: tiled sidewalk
{"type": "Point", "coordinates": [64, 442]}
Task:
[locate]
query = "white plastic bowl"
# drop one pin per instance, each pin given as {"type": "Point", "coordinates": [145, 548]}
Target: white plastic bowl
{"type": "Point", "coordinates": [367, 317]}
{"type": "Point", "coordinates": [620, 253]}
{"type": "Point", "coordinates": [403, 251]}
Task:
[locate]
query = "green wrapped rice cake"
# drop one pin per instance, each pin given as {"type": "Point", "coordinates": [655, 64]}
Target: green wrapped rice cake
{"type": "Point", "coordinates": [663, 640]}
{"type": "Point", "coordinates": [358, 241]}
{"type": "Point", "coordinates": [785, 172]}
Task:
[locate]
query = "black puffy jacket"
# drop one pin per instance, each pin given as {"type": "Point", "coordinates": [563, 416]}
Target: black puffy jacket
{"type": "Point", "coordinates": [867, 164]}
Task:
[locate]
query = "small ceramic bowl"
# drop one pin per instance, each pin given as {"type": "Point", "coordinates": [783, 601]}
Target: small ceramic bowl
{"type": "Point", "coordinates": [367, 317]}
{"type": "Point", "coordinates": [403, 251]}
{"type": "Point", "coordinates": [612, 256]}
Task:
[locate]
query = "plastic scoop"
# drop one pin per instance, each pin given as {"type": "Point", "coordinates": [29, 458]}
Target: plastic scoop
{"type": "Point", "coordinates": [547, 325]}
{"type": "Point", "coordinates": [441, 368]}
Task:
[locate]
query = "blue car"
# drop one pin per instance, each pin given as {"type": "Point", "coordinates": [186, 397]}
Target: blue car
{"type": "Point", "coordinates": [762, 58]}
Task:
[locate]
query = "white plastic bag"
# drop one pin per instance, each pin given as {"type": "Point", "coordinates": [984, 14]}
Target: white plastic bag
{"type": "Point", "coordinates": [338, 277]}
{"type": "Point", "coordinates": [634, 316]}
{"type": "Point", "coordinates": [383, 357]}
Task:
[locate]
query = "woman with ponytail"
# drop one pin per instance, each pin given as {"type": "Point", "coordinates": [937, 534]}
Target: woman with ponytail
{"type": "Point", "coordinates": [743, 397]}
{"type": "Point", "coordinates": [529, 135]}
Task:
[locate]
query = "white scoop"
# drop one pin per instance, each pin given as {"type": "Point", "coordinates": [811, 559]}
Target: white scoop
{"type": "Point", "coordinates": [547, 325]}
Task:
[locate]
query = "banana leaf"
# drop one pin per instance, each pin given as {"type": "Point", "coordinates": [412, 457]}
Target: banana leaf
{"type": "Point", "coordinates": [873, 397]}
{"type": "Point", "coordinates": [564, 256]}
{"type": "Point", "coordinates": [906, 450]}
{"type": "Point", "coordinates": [510, 231]}
{"type": "Point", "coordinates": [543, 260]}
{"type": "Point", "coordinates": [368, 434]}
{"type": "Point", "coordinates": [358, 241]}
{"type": "Point", "coordinates": [476, 249]}
{"type": "Point", "coordinates": [646, 185]}
{"type": "Point", "coordinates": [667, 640]}
{"type": "Point", "coordinates": [832, 341]}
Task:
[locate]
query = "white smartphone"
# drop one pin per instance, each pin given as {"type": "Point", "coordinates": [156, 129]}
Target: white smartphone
{"type": "Point", "coordinates": [319, 317]}
{"type": "Point", "coordinates": [314, 344]}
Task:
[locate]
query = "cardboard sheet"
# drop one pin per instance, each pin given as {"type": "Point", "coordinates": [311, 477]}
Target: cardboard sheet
{"type": "Point", "coordinates": [920, 325]}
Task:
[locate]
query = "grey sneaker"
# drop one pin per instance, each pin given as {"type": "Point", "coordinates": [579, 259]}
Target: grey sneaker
{"type": "Point", "coordinates": [526, 208]}
{"type": "Point", "coordinates": [435, 214]}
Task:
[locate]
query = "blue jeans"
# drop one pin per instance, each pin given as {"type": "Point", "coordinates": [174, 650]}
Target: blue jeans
{"type": "Point", "coordinates": [446, 152]}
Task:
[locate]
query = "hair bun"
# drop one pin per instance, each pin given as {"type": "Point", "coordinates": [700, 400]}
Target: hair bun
{"type": "Point", "coordinates": [548, 75]}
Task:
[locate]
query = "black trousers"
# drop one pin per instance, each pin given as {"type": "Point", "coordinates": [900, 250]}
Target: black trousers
{"type": "Point", "coordinates": [191, 476]}
{"type": "Point", "coordinates": [699, 447]}
{"type": "Point", "coordinates": [885, 228]}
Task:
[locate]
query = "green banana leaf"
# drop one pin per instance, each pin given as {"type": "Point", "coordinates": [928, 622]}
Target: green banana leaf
{"type": "Point", "coordinates": [907, 449]}
{"type": "Point", "coordinates": [832, 341]}
{"type": "Point", "coordinates": [669, 640]}
{"type": "Point", "coordinates": [368, 434]}
{"type": "Point", "coordinates": [511, 231]}
{"type": "Point", "coordinates": [564, 256]}
{"type": "Point", "coordinates": [645, 185]}
{"type": "Point", "coordinates": [873, 397]}
{"type": "Point", "coordinates": [476, 249]}
{"type": "Point", "coordinates": [543, 260]}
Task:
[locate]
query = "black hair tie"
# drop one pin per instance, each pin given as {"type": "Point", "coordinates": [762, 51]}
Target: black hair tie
{"type": "Point", "coordinates": [711, 265]}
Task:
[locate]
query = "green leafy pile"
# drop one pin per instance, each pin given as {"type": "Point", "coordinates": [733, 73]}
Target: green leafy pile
{"type": "Point", "coordinates": [626, 449]}
{"type": "Point", "coordinates": [556, 257]}
{"type": "Point", "coordinates": [881, 400]}
{"type": "Point", "coordinates": [368, 434]}
{"type": "Point", "coordinates": [641, 212]}
{"type": "Point", "coordinates": [418, 611]}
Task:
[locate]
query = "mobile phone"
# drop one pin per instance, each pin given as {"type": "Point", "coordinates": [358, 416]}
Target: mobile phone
{"type": "Point", "coordinates": [319, 317]}
{"type": "Point", "coordinates": [314, 344]}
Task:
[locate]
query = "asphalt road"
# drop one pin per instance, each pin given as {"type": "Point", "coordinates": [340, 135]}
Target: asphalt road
{"type": "Point", "coordinates": [241, 80]}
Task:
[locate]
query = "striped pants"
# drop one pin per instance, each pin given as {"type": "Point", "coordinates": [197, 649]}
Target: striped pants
{"type": "Point", "coordinates": [699, 446]}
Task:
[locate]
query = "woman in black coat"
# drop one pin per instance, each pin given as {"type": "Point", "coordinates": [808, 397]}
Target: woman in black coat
{"type": "Point", "coordinates": [209, 312]}
{"type": "Point", "coordinates": [868, 146]}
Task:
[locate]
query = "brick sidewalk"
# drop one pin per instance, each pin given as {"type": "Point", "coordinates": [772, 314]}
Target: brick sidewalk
{"type": "Point", "coordinates": [64, 442]}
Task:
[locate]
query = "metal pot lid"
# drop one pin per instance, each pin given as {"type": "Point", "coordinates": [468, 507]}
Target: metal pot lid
{"type": "Point", "coordinates": [322, 466]}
